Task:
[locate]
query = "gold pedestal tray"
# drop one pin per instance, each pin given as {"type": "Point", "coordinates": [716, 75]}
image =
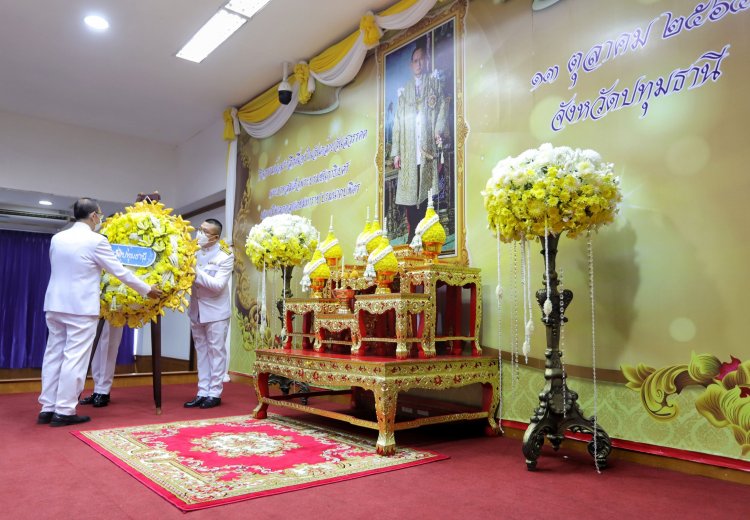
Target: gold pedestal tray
{"type": "Point", "coordinates": [303, 307]}
{"type": "Point", "coordinates": [455, 277]}
{"type": "Point", "coordinates": [337, 322]}
{"type": "Point", "coordinates": [405, 307]}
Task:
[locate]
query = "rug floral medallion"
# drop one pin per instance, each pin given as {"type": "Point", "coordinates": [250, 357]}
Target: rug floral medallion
{"type": "Point", "coordinates": [204, 463]}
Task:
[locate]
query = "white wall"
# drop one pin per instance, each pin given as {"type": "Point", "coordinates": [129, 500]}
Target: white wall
{"type": "Point", "coordinates": [61, 159]}
{"type": "Point", "coordinates": [201, 165]}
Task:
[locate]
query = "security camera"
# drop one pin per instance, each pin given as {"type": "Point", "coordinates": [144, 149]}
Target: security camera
{"type": "Point", "coordinates": [285, 92]}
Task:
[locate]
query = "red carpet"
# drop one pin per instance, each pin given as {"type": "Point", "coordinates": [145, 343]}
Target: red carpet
{"type": "Point", "coordinates": [48, 473]}
{"type": "Point", "coordinates": [211, 462]}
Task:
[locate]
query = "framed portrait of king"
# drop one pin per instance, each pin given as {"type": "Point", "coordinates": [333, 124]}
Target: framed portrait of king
{"type": "Point", "coordinates": [422, 129]}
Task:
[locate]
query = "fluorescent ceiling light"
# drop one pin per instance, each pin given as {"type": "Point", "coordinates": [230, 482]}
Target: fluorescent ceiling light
{"type": "Point", "coordinates": [45, 202]}
{"type": "Point", "coordinates": [246, 8]}
{"type": "Point", "coordinates": [538, 5]}
{"type": "Point", "coordinates": [96, 22]}
{"type": "Point", "coordinates": [220, 27]}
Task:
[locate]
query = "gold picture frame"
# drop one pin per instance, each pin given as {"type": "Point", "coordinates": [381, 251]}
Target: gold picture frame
{"type": "Point", "coordinates": [440, 37]}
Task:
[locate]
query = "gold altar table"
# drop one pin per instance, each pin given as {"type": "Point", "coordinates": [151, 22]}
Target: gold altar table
{"type": "Point", "coordinates": [385, 377]}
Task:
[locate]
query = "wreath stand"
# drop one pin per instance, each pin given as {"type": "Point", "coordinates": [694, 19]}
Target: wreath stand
{"type": "Point", "coordinates": [558, 409]}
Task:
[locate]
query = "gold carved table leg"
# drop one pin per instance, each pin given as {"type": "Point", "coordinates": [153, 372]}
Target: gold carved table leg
{"type": "Point", "coordinates": [402, 325]}
{"type": "Point", "coordinates": [261, 391]}
{"type": "Point", "coordinates": [318, 332]}
{"type": "Point", "coordinates": [490, 402]}
{"type": "Point", "coordinates": [385, 409]}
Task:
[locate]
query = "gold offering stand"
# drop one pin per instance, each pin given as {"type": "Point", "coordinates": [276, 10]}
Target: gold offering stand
{"type": "Point", "coordinates": [335, 323]}
{"type": "Point", "coordinates": [431, 277]}
{"type": "Point", "coordinates": [405, 307]}
{"type": "Point", "coordinates": [307, 308]}
{"type": "Point", "coordinates": [404, 319]}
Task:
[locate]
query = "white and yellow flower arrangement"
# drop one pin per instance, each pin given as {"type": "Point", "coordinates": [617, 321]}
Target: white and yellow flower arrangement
{"type": "Point", "coordinates": [280, 241]}
{"type": "Point", "coordinates": [550, 190]}
{"type": "Point", "coordinates": [543, 193]}
{"type": "Point", "coordinates": [149, 225]}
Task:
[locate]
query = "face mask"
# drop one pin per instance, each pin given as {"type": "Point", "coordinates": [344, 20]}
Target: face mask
{"type": "Point", "coordinates": [98, 225]}
{"type": "Point", "coordinates": [202, 239]}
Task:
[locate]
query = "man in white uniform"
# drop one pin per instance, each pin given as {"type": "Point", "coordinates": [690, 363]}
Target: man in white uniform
{"type": "Point", "coordinates": [77, 256]}
{"type": "Point", "coordinates": [103, 365]}
{"type": "Point", "coordinates": [209, 313]}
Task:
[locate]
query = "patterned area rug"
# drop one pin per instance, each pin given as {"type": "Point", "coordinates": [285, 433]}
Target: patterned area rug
{"type": "Point", "coordinates": [205, 463]}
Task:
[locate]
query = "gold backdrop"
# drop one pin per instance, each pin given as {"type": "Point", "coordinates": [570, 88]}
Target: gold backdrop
{"type": "Point", "coordinates": [669, 273]}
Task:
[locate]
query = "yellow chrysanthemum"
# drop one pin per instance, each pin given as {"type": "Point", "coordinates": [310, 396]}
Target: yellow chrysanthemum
{"type": "Point", "coordinates": [436, 232]}
{"type": "Point", "coordinates": [281, 240]}
{"type": "Point", "coordinates": [322, 271]}
{"type": "Point", "coordinates": [553, 189]}
{"type": "Point", "coordinates": [334, 251]}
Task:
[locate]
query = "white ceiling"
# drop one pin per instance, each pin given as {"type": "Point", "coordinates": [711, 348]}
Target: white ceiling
{"type": "Point", "coordinates": [128, 81]}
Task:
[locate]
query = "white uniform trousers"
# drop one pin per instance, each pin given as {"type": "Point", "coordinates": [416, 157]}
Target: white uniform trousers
{"type": "Point", "coordinates": [105, 357]}
{"type": "Point", "coordinates": [211, 355]}
{"type": "Point", "coordinates": [66, 359]}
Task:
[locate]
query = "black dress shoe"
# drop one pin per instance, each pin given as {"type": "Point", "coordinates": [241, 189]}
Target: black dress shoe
{"type": "Point", "coordinates": [210, 402]}
{"type": "Point", "coordinates": [101, 400]}
{"type": "Point", "coordinates": [89, 399]}
{"type": "Point", "coordinates": [195, 403]}
{"type": "Point", "coordinates": [67, 420]}
{"type": "Point", "coordinates": [44, 417]}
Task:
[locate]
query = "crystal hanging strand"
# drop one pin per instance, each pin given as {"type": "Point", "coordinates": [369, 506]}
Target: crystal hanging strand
{"type": "Point", "coordinates": [263, 318]}
{"type": "Point", "coordinates": [514, 320]}
{"type": "Point", "coordinates": [283, 299]}
{"type": "Point", "coordinates": [593, 343]}
{"type": "Point", "coordinates": [499, 293]}
{"type": "Point", "coordinates": [548, 302]}
{"type": "Point", "coordinates": [528, 313]}
{"type": "Point", "coordinates": [562, 342]}
{"type": "Point", "coordinates": [526, 304]}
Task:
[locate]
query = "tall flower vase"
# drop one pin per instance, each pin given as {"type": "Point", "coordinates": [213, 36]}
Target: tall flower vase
{"type": "Point", "coordinates": [286, 291]}
{"type": "Point", "coordinates": [558, 409]}
{"type": "Point", "coordinates": [286, 384]}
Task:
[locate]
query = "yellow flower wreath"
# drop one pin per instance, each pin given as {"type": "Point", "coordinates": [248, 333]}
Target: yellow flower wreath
{"type": "Point", "coordinates": [150, 225]}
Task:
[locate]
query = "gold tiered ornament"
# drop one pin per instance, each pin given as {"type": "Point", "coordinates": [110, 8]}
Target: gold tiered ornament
{"type": "Point", "coordinates": [331, 249]}
{"type": "Point", "coordinates": [360, 249]}
{"type": "Point", "coordinates": [315, 274]}
{"type": "Point", "coordinates": [429, 236]}
{"type": "Point", "coordinates": [382, 264]}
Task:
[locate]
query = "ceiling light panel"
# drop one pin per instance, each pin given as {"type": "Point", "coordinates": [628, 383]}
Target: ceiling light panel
{"type": "Point", "coordinates": [246, 8]}
{"type": "Point", "coordinates": [96, 22]}
{"type": "Point", "coordinates": [220, 27]}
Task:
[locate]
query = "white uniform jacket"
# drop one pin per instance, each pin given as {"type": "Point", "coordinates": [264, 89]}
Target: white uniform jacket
{"type": "Point", "coordinates": [78, 256]}
{"type": "Point", "coordinates": [209, 298]}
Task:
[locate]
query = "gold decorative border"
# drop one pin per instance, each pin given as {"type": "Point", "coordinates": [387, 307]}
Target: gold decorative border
{"type": "Point", "coordinates": [456, 10]}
